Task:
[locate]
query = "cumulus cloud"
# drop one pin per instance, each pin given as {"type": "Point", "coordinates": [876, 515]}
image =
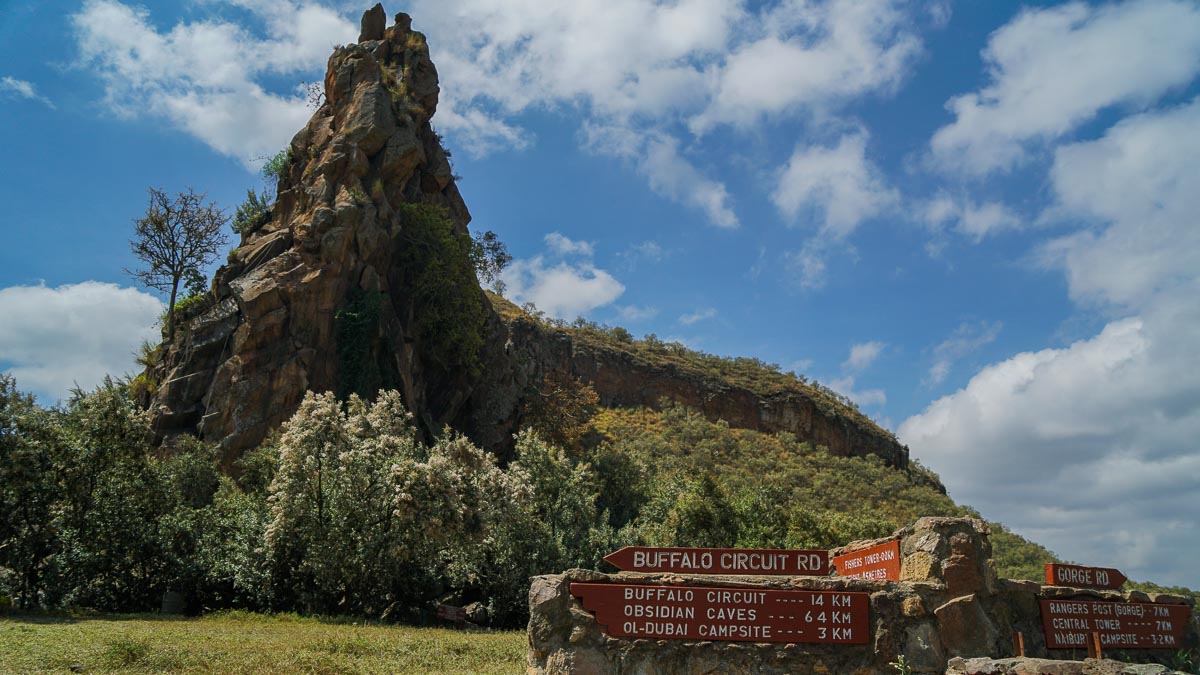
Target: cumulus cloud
{"type": "Point", "coordinates": [1081, 445]}
{"type": "Point", "coordinates": [863, 354]}
{"type": "Point", "coordinates": [967, 338]}
{"type": "Point", "coordinates": [812, 55]}
{"type": "Point", "coordinates": [562, 245]}
{"type": "Point", "coordinates": [52, 339]}
{"type": "Point", "coordinates": [703, 314]}
{"type": "Point", "coordinates": [638, 71]}
{"type": "Point", "coordinates": [1090, 447]}
{"type": "Point", "coordinates": [207, 76]}
{"type": "Point", "coordinates": [1140, 178]}
{"type": "Point", "coordinates": [657, 156]}
{"type": "Point", "coordinates": [837, 186]}
{"type": "Point", "coordinates": [562, 288]}
{"type": "Point", "coordinates": [12, 87]}
{"type": "Point", "coordinates": [970, 219]}
{"type": "Point", "coordinates": [1053, 69]}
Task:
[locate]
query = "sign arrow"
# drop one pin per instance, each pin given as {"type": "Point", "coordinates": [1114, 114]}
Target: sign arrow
{"type": "Point", "coordinates": [1079, 576]}
{"type": "Point", "coordinates": [682, 560]}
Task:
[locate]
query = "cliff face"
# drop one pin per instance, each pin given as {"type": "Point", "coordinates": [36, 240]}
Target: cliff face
{"type": "Point", "coordinates": [336, 292]}
{"type": "Point", "coordinates": [622, 376]}
{"type": "Point", "coordinates": [327, 272]}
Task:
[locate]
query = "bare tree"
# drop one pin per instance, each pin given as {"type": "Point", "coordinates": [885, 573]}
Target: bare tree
{"type": "Point", "coordinates": [176, 239]}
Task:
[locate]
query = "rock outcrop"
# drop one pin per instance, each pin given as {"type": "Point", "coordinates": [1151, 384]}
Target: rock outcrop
{"type": "Point", "coordinates": [326, 273]}
{"type": "Point", "coordinates": [327, 293]}
{"type": "Point", "coordinates": [621, 378]}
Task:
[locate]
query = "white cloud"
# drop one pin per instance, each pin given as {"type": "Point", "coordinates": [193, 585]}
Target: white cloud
{"type": "Point", "coordinates": [1054, 69]}
{"type": "Point", "coordinates": [967, 338]}
{"type": "Point", "coordinates": [1092, 446]}
{"type": "Point", "coordinates": [836, 186]}
{"type": "Point", "coordinates": [969, 218]}
{"type": "Point", "coordinates": [813, 55]}
{"type": "Point", "coordinates": [636, 70]}
{"type": "Point", "coordinates": [561, 290]}
{"type": "Point", "coordinates": [672, 175]}
{"type": "Point", "coordinates": [1078, 446]}
{"type": "Point", "coordinates": [703, 314]}
{"type": "Point", "coordinates": [867, 397]}
{"type": "Point", "coordinates": [656, 156]}
{"type": "Point", "coordinates": [560, 244]}
{"type": "Point", "coordinates": [1140, 177]}
{"type": "Point", "coordinates": [636, 313]}
{"type": "Point", "coordinates": [863, 355]}
{"type": "Point", "coordinates": [10, 86]}
{"type": "Point", "coordinates": [206, 76]}
{"type": "Point", "coordinates": [54, 338]}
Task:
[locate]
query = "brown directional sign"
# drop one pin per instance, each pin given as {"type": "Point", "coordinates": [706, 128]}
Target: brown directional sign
{"type": "Point", "coordinates": [451, 613]}
{"type": "Point", "coordinates": [1077, 576]}
{"type": "Point", "coordinates": [881, 561]}
{"type": "Point", "coordinates": [1070, 623]}
{"type": "Point", "coordinates": [737, 614]}
{"type": "Point", "coordinates": [720, 561]}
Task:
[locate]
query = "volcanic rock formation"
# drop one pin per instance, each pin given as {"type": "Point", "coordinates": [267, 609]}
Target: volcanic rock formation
{"type": "Point", "coordinates": [350, 286]}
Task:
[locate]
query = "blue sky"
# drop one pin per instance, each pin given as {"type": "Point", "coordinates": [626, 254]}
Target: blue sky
{"type": "Point", "coordinates": [976, 219]}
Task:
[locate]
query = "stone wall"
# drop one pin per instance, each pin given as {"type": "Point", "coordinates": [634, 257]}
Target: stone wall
{"type": "Point", "coordinates": [948, 605]}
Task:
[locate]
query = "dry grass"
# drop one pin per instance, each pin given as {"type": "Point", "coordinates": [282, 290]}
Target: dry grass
{"type": "Point", "coordinates": [241, 642]}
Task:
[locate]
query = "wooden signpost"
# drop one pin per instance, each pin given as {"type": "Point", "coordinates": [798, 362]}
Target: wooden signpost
{"type": "Point", "coordinates": [1078, 576]}
{"type": "Point", "coordinates": [881, 561]}
{"type": "Point", "coordinates": [1122, 625]}
{"type": "Point", "coordinates": [451, 613]}
{"type": "Point", "coordinates": [729, 614]}
{"type": "Point", "coordinates": [720, 561]}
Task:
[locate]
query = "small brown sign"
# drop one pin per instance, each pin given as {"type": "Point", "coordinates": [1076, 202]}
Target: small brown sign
{"type": "Point", "coordinates": [735, 614]}
{"type": "Point", "coordinates": [720, 561]}
{"type": "Point", "coordinates": [1070, 623]}
{"type": "Point", "coordinates": [451, 613]}
{"type": "Point", "coordinates": [881, 561]}
{"type": "Point", "coordinates": [1078, 576]}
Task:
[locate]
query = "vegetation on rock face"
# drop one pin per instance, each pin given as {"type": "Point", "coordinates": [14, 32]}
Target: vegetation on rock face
{"type": "Point", "coordinates": [449, 311]}
{"type": "Point", "coordinates": [356, 326]}
{"type": "Point", "coordinates": [252, 213]}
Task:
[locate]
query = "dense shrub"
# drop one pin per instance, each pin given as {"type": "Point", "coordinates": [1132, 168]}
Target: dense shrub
{"type": "Point", "coordinates": [346, 511]}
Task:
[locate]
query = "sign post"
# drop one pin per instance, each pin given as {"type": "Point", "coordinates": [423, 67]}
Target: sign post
{"type": "Point", "coordinates": [735, 614]}
{"type": "Point", "coordinates": [1078, 576]}
{"type": "Point", "coordinates": [720, 561]}
{"type": "Point", "coordinates": [1121, 625]}
{"type": "Point", "coordinates": [881, 561]}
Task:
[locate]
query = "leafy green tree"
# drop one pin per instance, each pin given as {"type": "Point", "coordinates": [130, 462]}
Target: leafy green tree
{"type": "Point", "coordinates": [113, 497]}
{"type": "Point", "coordinates": [490, 256]}
{"type": "Point", "coordinates": [560, 408]}
{"type": "Point", "coordinates": [28, 536]}
{"type": "Point", "coordinates": [175, 240]}
{"type": "Point", "coordinates": [363, 517]}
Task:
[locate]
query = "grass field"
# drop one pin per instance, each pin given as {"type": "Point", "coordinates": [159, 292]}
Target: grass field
{"type": "Point", "coordinates": [239, 642]}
